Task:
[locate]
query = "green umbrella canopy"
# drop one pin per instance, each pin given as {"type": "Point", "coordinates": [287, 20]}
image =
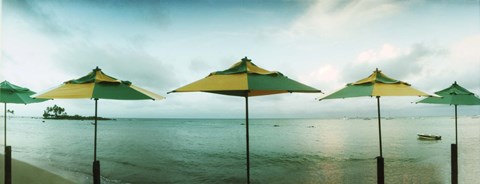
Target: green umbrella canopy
{"type": "Point", "coordinates": [10, 93]}
{"type": "Point", "coordinates": [453, 95]}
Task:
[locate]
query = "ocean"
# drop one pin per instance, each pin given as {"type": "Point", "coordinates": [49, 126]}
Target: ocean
{"type": "Point", "coordinates": [281, 150]}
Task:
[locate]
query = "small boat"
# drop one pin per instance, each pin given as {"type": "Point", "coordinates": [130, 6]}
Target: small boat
{"type": "Point", "coordinates": [429, 136]}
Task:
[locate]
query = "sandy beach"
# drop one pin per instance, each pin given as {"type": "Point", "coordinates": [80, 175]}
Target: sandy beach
{"type": "Point", "coordinates": [25, 173]}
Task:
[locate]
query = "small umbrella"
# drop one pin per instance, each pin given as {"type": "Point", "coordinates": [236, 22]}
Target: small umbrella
{"type": "Point", "coordinates": [377, 85]}
{"type": "Point", "coordinates": [245, 79]}
{"type": "Point", "coordinates": [10, 93]}
{"type": "Point", "coordinates": [97, 85]}
{"type": "Point", "coordinates": [454, 95]}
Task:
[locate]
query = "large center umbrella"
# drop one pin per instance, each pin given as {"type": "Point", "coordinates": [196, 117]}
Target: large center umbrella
{"type": "Point", "coordinates": [245, 79]}
{"type": "Point", "coordinates": [97, 85]}
{"type": "Point", "coordinates": [377, 85]}
{"type": "Point", "coordinates": [454, 95]}
{"type": "Point", "coordinates": [10, 93]}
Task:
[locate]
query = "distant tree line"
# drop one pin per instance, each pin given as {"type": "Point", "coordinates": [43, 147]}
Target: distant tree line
{"type": "Point", "coordinates": [54, 112]}
{"type": "Point", "coordinates": [57, 112]}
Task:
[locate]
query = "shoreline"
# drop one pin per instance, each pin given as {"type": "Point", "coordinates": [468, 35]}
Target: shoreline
{"type": "Point", "coordinates": [23, 172]}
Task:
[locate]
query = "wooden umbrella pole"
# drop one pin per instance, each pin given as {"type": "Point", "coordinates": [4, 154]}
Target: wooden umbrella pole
{"type": "Point", "coordinates": [379, 125]}
{"type": "Point", "coordinates": [5, 125]}
{"type": "Point", "coordinates": [95, 134]}
{"type": "Point", "coordinates": [456, 137]}
{"type": "Point", "coordinates": [247, 139]}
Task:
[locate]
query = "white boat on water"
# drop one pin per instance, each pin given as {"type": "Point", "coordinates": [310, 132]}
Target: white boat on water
{"type": "Point", "coordinates": [429, 136]}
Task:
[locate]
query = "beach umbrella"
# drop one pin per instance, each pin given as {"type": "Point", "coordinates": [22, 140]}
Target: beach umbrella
{"type": "Point", "coordinates": [97, 85]}
{"type": "Point", "coordinates": [376, 85]}
{"type": "Point", "coordinates": [245, 79]}
{"type": "Point", "coordinates": [454, 95]}
{"type": "Point", "coordinates": [10, 93]}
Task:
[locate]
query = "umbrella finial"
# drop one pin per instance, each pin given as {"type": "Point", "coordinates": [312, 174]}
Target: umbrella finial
{"type": "Point", "coordinates": [455, 82]}
{"type": "Point", "coordinates": [97, 69]}
{"type": "Point", "coordinates": [246, 59]}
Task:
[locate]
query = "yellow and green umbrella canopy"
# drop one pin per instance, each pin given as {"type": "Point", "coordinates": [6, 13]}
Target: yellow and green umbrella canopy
{"type": "Point", "coordinates": [246, 79]}
{"type": "Point", "coordinates": [377, 84]}
{"type": "Point", "coordinates": [98, 85]}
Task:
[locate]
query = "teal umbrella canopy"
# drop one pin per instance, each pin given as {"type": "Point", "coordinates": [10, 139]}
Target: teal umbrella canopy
{"type": "Point", "coordinates": [453, 95]}
{"type": "Point", "coordinates": [10, 93]}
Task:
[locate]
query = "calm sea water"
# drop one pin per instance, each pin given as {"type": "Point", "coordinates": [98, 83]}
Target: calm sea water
{"type": "Point", "coordinates": [282, 150]}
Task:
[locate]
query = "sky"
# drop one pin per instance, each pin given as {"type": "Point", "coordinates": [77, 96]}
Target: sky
{"type": "Point", "coordinates": [163, 45]}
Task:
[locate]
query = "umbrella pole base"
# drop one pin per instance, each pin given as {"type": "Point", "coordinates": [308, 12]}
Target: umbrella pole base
{"type": "Point", "coordinates": [96, 172]}
{"type": "Point", "coordinates": [380, 170]}
{"type": "Point", "coordinates": [8, 165]}
{"type": "Point", "coordinates": [454, 164]}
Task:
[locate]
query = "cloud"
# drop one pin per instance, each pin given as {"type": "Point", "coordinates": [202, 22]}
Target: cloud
{"type": "Point", "coordinates": [326, 78]}
{"type": "Point", "coordinates": [151, 12]}
{"type": "Point", "coordinates": [134, 65]}
{"type": "Point", "coordinates": [32, 13]}
{"type": "Point", "coordinates": [424, 65]}
{"type": "Point", "coordinates": [331, 17]}
{"type": "Point", "coordinates": [396, 62]}
{"type": "Point", "coordinates": [461, 64]}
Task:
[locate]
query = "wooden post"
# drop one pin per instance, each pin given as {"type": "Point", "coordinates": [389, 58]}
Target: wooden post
{"type": "Point", "coordinates": [454, 164]}
{"type": "Point", "coordinates": [96, 172]}
{"type": "Point", "coordinates": [8, 164]}
{"type": "Point", "coordinates": [380, 169]}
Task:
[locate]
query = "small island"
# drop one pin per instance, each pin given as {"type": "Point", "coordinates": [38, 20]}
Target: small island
{"type": "Point", "coordinates": [57, 112]}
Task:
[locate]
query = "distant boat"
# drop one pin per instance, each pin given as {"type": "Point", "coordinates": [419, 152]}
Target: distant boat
{"type": "Point", "coordinates": [429, 136]}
